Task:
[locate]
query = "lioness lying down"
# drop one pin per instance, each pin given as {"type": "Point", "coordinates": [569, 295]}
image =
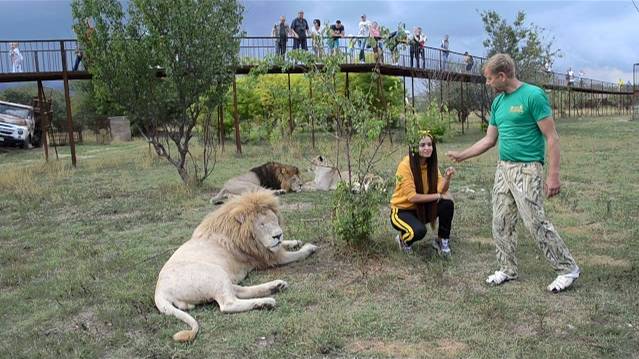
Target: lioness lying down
{"type": "Point", "coordinates": [328, 176]}
{"type": "Point", "coordinates": [238, 237]}
{"type": "Point", "coordinates": [272, 175]}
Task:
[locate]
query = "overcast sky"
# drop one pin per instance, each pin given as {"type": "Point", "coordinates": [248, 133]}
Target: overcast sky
{"type": "Point", "coordinates": [599, 37]}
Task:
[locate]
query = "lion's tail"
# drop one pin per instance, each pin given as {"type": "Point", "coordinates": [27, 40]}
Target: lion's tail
{"type": "Point", "coordinates": [167, 308]}
{"type": "Point", "coordinates": [219, 197]}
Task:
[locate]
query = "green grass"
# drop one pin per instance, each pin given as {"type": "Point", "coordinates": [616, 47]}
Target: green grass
{"type": "Point", "coordinates": [81, 250]}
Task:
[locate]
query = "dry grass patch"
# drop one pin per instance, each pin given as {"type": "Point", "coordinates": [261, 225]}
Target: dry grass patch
{"type": "Point", "coordinates": [442, 348]}
{"type": "Point", "coordinates": [481, 240]}
{"type": "Point", "coordinates": [606, 261]}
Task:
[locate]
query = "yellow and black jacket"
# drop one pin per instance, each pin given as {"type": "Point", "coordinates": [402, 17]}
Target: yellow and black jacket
{"type": "Point", "coordinates": [405, 185]}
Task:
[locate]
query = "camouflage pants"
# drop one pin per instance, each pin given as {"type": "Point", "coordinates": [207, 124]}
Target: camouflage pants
{"type": "Point", "coordinates": [518, 191]}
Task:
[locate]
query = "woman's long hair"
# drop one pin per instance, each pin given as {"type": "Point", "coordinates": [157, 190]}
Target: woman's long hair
{"type": "Point", "coordinates": [426, 212]}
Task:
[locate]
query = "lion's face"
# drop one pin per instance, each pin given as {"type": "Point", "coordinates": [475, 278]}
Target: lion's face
{"type": "Point", "coordinates": [291, 180]}
{"type": "Point", "coordinates": [296, 183]}
{"type": "Point", "coordinates": [321, 161]}
{"type": "Point", "coordinates": [267, 230]}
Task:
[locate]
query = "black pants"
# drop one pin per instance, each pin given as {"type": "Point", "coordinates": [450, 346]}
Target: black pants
{"type": "Point", "coordinates": [281, 46]}
{"type": "Point", "coordinates": [297, 42]}
{"type": "Point", "coordinates": [412, 229]}
{"type": "Point", "coordinates": [414, 53]}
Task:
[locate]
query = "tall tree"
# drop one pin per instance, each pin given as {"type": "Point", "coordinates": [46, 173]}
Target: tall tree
{"type": "Point", "coordinates": [164, 62]}
{"type": "Point", "coordinates": [525, 43]}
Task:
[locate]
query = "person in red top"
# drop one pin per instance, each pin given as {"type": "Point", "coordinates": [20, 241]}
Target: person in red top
{"type": "Point", "coordinates": [421, 196]}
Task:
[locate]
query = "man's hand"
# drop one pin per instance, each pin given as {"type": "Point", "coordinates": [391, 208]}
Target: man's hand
{"type": "Point", "coordinates": [454, 156]}
{"type": "Point", "coordinates": [552, 187]}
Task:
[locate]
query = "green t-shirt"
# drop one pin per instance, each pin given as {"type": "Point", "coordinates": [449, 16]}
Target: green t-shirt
{"type": "Point", "coordinates": [516, 115]}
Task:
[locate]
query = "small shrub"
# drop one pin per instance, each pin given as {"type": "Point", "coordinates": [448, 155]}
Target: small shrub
{"type": "Point", "coordinates": [353, 214]}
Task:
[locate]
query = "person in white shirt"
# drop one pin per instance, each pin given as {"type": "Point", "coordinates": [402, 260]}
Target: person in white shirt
{"type": "Point", "coordinates": [316, 38]}
{"type": "Point", "coordinates": [16, 58]}
{"type": "Point", "coordinates": [363, 34]}
{"type": "Point", "coordinates": [570, 77]}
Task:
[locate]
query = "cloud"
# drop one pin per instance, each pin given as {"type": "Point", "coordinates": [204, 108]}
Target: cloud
{"type": "Point", "coordinates": [608, 73]}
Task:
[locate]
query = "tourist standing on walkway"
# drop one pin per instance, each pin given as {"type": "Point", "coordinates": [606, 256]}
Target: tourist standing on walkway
{"type": "Point", "coordinates": [316, 38]}
{"type": "Point", "coordinates": [337, 32]}
{"type": "Point", "coordinates": [521, 118]}
{"type": "Point", "coordinates": [300, 28]}
{"type": "Point", "coordinates": [469, 61]}
{"type": "Point", "coordinates": [16, 58]}
{"type": "Point", "coordinates": [375, 34]}
{"type": "Point", "coordinates": [363, 34]}
{"type": "Point", "coordinates": [280, 33]}
{"type": "Point", "coordinates": [445, 52]}
{"type": "Point", "coordinates": [416, 42]}
{"type": "Point", "coordinates": [422, 47]}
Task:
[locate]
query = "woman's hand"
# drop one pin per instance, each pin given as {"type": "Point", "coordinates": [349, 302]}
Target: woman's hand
{"type": "Point", "coordinates": [450, 171]}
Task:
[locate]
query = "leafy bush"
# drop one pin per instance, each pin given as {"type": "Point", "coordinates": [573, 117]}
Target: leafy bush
{"type": "Point", "coordinates": [353, 213]}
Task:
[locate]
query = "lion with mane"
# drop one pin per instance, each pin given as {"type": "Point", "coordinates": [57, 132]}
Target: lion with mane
{"type": "Point", "coordinates": [242, 235]}
{"type": "Point", "coordinates": [275, 176]}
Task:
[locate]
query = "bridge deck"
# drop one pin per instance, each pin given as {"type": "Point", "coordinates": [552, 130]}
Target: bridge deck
{"type": "Point", "coordinates": [45, 60]}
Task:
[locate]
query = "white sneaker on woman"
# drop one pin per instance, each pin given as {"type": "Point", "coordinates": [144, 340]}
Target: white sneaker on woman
{"type": "Point", "coordinates": [442, 247]}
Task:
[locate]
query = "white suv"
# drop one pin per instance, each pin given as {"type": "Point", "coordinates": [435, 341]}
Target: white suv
{"type": "Point", "coordinates": [17, 124]}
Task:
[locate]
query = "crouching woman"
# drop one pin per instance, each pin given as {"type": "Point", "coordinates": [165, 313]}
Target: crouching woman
{"type": "Point", "coordinates": [421, 196]}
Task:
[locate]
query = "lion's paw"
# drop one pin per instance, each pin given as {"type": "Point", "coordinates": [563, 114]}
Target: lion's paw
{"type": "Point", "coordinates": [279, 286]}
{"type": "Point", "coordinates": [265, 303]}
{"type": "Point", "coordinates": [310, 248]}
{"type": "Point", "coordinates": [278, 192]}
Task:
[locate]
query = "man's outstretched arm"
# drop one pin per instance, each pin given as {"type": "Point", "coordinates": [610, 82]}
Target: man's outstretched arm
{"type": "Point", "coordinates": [479, 147]}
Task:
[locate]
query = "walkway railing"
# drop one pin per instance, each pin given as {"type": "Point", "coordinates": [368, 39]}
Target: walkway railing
{"type": "Point", "coordinates": [37, 55]}
{"type": "Point", "coordinates": [45, 56]}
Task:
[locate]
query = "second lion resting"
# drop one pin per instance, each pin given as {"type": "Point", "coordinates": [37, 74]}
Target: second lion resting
{"type": "Point", "coordinates": [328, 176]}
{"type": "Point", "coordinates": [238, 237]}
{"type": "Point", "coordinates": [272, 175]}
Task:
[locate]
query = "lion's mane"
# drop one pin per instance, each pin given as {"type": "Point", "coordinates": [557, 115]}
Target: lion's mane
{"type": "Point", "coordinates": [275, 175]}
{"type": "Point", "coordinates": [234, 220]}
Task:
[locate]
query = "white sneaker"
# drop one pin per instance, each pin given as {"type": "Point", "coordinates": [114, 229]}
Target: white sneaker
{"type": "Point", "coordinates": [499, 278]}
{"type": "Point", "coordinates": [563, 281]}
{"type": "Point", "coordinates": [445, 247]}
{"type": "Point", "coordinates": [441, 247]}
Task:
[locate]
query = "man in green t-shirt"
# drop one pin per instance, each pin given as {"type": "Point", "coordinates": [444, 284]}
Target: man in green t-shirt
{"type": "Point", "coordinates": [521, 118]}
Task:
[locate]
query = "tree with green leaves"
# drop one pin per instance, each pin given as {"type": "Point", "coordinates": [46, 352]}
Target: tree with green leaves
{"type": "Point", "coordinates": [356, 123]}
{"type": "Point", "coordinates": [525, 43]}
{"type": "Point", "coordinates": [165, 63]}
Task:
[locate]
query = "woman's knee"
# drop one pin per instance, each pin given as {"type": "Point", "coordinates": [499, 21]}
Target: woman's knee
{"type": "Point", "coordinates": [419, 232]}
{"type": "Point", "coordinates": [446, 206]}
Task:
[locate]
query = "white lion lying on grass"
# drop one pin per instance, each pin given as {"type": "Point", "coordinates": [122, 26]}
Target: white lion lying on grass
{"type": "Point", "coordinates": [238, 237]}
